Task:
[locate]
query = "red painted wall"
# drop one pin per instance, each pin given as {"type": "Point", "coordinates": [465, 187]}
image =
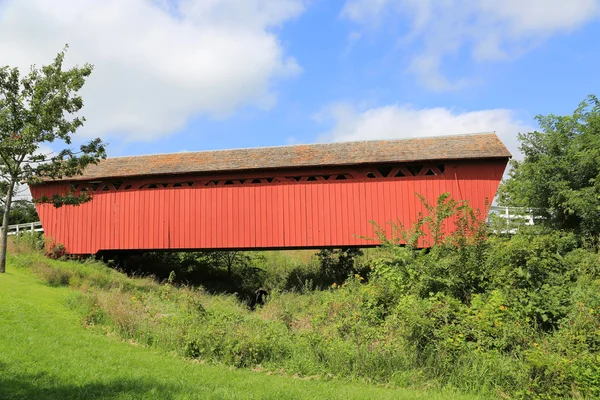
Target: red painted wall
{"type": "Point", "coordinates": [275, 215]}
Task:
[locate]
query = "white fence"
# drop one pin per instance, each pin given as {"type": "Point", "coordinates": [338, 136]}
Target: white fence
{"type": "Point", "coordinates": [28, 227]}
{"type": "Point", "coordinates": [508, 219]}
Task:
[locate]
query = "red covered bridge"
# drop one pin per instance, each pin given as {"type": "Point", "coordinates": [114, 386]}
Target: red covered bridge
{"type": "Point", "coordinates": [305, 196]}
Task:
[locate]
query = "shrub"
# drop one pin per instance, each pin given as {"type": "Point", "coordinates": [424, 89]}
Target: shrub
{"type": "Point", "coordinates": [55, 251]}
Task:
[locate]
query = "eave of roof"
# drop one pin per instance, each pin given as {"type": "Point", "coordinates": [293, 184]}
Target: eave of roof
{"type": "Point", "coordinates": [455, 147]}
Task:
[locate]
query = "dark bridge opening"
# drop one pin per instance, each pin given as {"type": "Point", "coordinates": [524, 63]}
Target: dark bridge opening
{"type": "Point", "coordinates": [249, 275]}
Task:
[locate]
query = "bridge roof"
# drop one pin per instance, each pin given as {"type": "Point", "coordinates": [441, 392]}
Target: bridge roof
{"type": "Point", "coordinates": [456, 147]}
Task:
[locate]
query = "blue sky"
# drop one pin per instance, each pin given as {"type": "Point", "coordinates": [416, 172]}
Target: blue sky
{"type": "Point", "coordinates": [196, 75]}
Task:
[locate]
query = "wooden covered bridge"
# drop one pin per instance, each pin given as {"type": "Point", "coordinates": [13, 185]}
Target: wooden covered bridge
{"type": "Point", "coordinates": [301, 196]}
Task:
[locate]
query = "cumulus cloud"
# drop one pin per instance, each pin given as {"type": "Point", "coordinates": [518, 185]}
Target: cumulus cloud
{"type": "Point", "coordinates": [157, 62]}
{"type": "Point", "coordinates": [490, 30]}
{"type": "Point", "coordinates": [404, 121]}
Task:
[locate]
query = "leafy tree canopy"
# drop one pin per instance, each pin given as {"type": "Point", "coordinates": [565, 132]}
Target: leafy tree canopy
{"type": "Point", "coordinates": [36, 109]}
{"type": "Point", "coordinates": [560, 173]}
{"type": "Point", "coordinates": [21, 212]}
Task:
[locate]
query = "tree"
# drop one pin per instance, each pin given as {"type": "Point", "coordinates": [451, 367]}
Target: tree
{"type": "Point", "coordinates": [38, 108]}
{"type": "Point", "coordinates": [560, 174]}
{"type": "Point", "coordinates": [337, 264]}
{"type": "Point", "coordinates": [22, 211]}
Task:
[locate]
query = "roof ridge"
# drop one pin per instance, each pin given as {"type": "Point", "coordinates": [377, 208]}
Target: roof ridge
{"type": "Point", "coordinates": [309, 144]}
{"type": "Point", "coordinates": [447, 147]}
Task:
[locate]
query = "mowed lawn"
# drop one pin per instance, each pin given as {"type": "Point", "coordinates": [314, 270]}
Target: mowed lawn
{"type": "Point", "coordinates": [46, 353]}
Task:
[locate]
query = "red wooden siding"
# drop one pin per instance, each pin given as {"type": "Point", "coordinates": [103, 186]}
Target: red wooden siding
{"type": "Point", "coordinates": [276, 215]}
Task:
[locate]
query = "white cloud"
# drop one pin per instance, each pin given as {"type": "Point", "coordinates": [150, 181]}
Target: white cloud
{"type": "Point", "coordinates": [398, 122]}
{"type": "Point", "coordinates": [491, 30]}
{"type": "Point", "coordinates": [157, 62]}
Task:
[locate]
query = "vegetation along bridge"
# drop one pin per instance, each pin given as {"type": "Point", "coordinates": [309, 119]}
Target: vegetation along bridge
{"type": "Point", "coordinates": [301, 196]}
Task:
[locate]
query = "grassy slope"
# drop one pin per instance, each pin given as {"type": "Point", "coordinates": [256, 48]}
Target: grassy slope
{"type": "Point", "coordinates": [45, 353]}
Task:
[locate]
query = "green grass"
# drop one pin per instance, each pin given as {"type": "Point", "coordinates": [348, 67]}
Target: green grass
{"type": "Point", "coordinates": [46, 353]}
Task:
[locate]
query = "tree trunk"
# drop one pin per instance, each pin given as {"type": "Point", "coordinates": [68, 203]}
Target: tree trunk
{"type": "Point", "coordinates": [4, 231]}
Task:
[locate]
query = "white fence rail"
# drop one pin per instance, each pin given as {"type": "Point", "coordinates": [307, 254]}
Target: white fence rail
{"type": "Point", "coordinates": [28, 227]}
{"type": "Point", "coordinates": [508, 219]}
{"type": "Point", "coordinates": [513, 214]}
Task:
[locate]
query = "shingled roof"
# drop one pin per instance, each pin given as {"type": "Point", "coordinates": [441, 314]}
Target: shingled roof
{"type": "Point", "coordinates": [473, 146]}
